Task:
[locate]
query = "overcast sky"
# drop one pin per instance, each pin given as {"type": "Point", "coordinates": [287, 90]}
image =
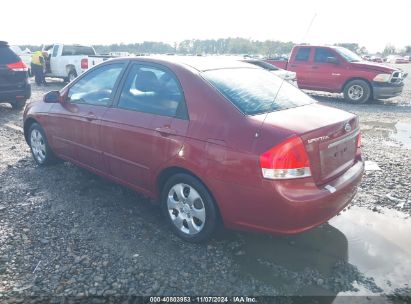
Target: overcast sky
{"type": "Point", "coordinates": [370, 23]}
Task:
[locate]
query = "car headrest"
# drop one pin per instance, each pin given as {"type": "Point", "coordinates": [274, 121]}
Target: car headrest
{"type": "Point", "coordinates": [146, 81]}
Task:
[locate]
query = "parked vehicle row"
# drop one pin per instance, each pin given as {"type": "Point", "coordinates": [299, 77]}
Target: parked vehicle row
{"type": "Point", "coordinates": [211, 139]}
{"type": "Point", "coordinates": [338, 70]}
{"type": "Point", "coordinates": [397, 59]}
{"type": "Point", "coordinates": [14, 86]}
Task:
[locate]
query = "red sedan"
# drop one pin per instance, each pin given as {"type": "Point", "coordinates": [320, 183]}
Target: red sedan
{"type": "Point", "coordinates": [210, 139]}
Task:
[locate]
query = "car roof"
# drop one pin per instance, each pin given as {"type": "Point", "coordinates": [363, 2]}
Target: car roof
{"type": "Point", "coordinates": [198, 63]}
{"type": "Point", "coordinates": [3, 43]}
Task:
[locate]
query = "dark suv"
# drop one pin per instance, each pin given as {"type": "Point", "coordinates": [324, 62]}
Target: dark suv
{"type": "Point", "coordinates": [14, 86]}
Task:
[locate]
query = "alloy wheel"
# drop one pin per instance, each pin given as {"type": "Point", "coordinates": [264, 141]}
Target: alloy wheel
{"type": "Point", "coordinates": [355, 92]}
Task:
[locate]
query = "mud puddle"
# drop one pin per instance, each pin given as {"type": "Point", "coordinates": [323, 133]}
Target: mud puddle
{"type": "Point", "coordinates": [359, 252]}
{"type": "Point", "coordinates": [399, 132]}
{"type": "Point", "coordinates": [403, 134]}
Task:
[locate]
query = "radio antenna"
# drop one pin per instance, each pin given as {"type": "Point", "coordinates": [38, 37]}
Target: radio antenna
{"type": "Point", "coordinates": [257, 134]}
{"type": "Point", "coordinates": [309, 27]}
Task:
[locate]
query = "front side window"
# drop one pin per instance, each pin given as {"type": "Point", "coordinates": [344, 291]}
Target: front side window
{"type": "Point", "coordinates": [152, 90]}
{"type": "Point", "coordinates": [55, 50]}
{"type": "Point", "coordinates": [321, 55]}
{"type": "Point", "coordinates": [255, 91]}
{"type": "Point", "coordinates": [303, 54]}
{"type": "Point", "coordinates": [96, 87]}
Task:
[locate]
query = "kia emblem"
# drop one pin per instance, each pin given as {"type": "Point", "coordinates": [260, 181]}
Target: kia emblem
{"type": "Point", "coordinates": [347, 127]}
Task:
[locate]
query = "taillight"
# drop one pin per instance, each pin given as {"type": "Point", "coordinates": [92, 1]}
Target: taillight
{"type": "Point", "coordinates": [286, 160]}
{"type": "Point", "coordinates": [18, 66]}
{"type": "Point", "coordinates": [84, 63]}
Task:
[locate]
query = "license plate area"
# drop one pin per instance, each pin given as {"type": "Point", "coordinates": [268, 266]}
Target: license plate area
{"type": "Point", "coordinates": [336, 157]}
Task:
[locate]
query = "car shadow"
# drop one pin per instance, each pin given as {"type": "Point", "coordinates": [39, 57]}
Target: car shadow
{"type": "Point", "coordinates": [68, 207]}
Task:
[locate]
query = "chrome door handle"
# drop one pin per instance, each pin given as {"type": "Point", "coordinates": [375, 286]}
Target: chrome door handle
{"type": "Point", "coordinates": [166, 131]}
{"type": "Point", "coordinates": [90, 117]}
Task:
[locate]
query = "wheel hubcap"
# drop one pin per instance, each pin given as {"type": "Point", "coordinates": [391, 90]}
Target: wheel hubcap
{"type": "Point", "coordinates": [186, 209]}
{"type": "Point", "coordinates": [38, 146]}
{"type": "Point", "coordinates": [355, 92]}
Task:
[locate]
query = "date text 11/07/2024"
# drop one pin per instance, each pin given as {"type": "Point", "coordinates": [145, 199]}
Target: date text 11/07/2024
{"type": "Point", "coordinates": [239, 299]}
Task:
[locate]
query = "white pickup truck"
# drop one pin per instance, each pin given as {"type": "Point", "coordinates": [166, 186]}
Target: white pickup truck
{"type": "Point", "coordinates": [68, 61]}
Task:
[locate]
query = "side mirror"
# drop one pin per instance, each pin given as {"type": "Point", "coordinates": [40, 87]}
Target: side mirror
{"type": "Point", "coordinates": [332, 60]}
{"type": "Point", "coordinates": [52, 97]}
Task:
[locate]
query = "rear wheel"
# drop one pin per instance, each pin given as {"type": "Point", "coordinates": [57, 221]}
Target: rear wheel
{"type": "Point", "coordinates": [71, 76]}
{"type": "Point", "coordinates": [189, 208]}
{"type": "Point", "coordinates": [18, 104]}
{"type": "Point", "coordinates": [39, 146]}
{"type": "Point", "coordinates": [357, 91]}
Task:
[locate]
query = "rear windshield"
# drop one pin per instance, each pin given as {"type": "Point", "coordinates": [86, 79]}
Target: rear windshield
{"type": "Point", "coordinates": [73, 50]}
{"type": "Point", "coordinates": [255, 91]}
{"type": "Point", "coordinates": [7, 56]}
{"type": "Point", "coordinates": [264, 65]}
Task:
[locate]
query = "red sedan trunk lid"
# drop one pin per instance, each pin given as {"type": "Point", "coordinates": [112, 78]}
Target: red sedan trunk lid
{"type": "Point", "coordinates": [329, 135]}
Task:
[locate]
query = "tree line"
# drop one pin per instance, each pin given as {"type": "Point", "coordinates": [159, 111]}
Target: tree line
{"type": "Point", "coordinates": [267, 48]}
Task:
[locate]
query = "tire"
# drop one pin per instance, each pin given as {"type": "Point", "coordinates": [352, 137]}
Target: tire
{"type": "Point", "coordinates": [71, 76]}
{"type": "Point", "coordinates": [18, 104]}
{"type": "Point", "coordinates": [357, 91]}
{"type": "Point", "coordinates": [39, 146]}
{"type": "Point", "coordinates": [189, 208]}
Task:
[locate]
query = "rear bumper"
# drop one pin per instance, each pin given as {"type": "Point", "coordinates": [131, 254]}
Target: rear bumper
{"type": "Point", "coordinates": [287, 206]}
{"type": "Point", "coordinates": [12, 94]}
{"type": "Point", "coordinates": [386, 90]}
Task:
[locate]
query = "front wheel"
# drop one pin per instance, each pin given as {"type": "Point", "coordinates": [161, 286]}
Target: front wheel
{"type": "Point", "coordinates": [189, 208]}
{"type": "Point", "coordinates": [357, 91]}
{"type": "Point", "coordinates": [39, 146]}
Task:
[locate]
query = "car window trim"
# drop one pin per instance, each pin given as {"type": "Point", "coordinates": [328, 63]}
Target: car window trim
{"type": "Point", "coordinates": [185, 115]}
{"type": "Point", "coordinates": [115, 87]}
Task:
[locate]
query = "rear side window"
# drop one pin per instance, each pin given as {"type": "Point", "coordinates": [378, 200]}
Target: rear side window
{"type": "Point", "coordinates": [255, 91]}
{"type": "Point", "coordinates": [55, 50]}
{"type": "Point", "coordinates": [321, 55]}
{"type": "Point", "coordinates": [152, 90]}
{"type": "Point", "coordinates": [303, 54]}
{"type": "Point", "coordinates": [7, 55]}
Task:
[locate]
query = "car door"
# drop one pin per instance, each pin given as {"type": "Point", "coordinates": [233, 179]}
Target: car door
{"type": "Point", "coordinates": [75, 123]}
{"type": "Point", "coordinates": [147, 126]}
{"type": "Point", "coordinates": [302, 66]}
{"type": "Point", "coordinates": [326, 72]}
{"type": "Point", "coordinates": [54, 61]}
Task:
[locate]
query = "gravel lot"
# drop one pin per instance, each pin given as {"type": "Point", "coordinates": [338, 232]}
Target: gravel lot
{"type": "Point", "coordinates": [67, 232]}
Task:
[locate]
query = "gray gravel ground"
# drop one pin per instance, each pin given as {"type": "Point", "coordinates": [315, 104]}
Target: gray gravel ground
{"type": "Point", "coordinates": [67, 232]}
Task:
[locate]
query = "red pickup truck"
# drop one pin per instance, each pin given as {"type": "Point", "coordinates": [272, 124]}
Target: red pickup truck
{"type": "Point", "coordinates": [338, 70]}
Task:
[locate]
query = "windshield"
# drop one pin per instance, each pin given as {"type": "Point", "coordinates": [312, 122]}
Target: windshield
{"type": "Point", "coordinates": [255, 91]}
{"type": "Point", "coordinates": [348, 55]}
